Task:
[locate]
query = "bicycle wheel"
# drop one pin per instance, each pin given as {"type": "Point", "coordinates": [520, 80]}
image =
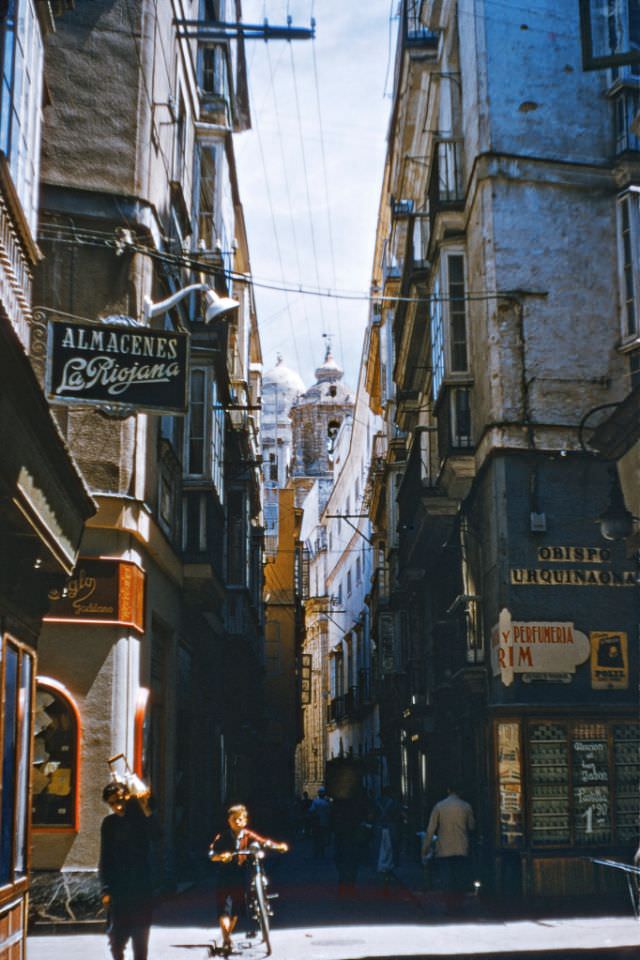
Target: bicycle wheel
{"type": "Point", "coordinates": [262, 911]}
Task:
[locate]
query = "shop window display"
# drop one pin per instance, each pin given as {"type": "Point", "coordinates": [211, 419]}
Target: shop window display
{"type": "Point", "coordinates": [583, 782]}
{"type": "Point", "coordinates": [54, 760]}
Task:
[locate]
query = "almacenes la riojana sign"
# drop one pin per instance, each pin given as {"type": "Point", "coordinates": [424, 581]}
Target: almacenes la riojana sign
{"type": "Point", "coordinates": [117, 364]}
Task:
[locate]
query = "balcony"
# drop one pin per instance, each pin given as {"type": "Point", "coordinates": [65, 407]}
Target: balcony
{"type": "Point", "coordinates": [417, 37]}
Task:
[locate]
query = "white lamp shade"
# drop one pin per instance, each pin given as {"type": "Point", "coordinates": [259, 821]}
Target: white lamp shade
{"type": "Point", "coordinates": [217, 306]}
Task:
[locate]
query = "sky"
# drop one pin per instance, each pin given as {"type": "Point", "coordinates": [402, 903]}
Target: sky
{"type": "Point", "coordinates": [310, 173]}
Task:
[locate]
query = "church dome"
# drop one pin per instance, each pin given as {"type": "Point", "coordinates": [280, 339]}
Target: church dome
{"type": "Point", "coordinates": [283, 379]}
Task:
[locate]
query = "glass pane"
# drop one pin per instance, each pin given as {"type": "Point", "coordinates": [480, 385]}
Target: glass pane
{"type": "Point", "coordinates": [626, 758]}
{"type": "Point", "coordinates": [549, 768]}
{"type": "Point", "coordinates": [54, 760]}
{"type": "Point", "coordinates": [610, 32]}
{"type": "Point", "coordinates": [24, 715]}
{"type": "Point", "coordinates": [9, 745]}
{"type": "Point", "coordinates": [591, 808]}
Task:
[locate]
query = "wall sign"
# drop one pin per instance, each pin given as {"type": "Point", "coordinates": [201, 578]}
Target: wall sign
{"type": "Point", "coordinates": [101, 591]}
{"type": "Point", "coordinates": [609, 660]}
{"type": "Point", "coordinates": [595, 575]}
{"type": "Point", "coordinates": [114, 365]}
{"type": "Point", "coordinates": [536, 647]}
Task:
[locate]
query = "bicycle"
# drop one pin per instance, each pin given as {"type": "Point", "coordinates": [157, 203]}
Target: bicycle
{"type": "Point", "coordinates": [257, 897]}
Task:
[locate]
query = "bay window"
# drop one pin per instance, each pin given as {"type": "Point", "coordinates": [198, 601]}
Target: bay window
{"type": "Point", "coordinates": [628, 248]}
{"type": "Point", "coordinates": [448, 316]}
{"type": "Point", "coordinates": [21, 50]}
{"type": "Point", "coordinates": [204, 433]}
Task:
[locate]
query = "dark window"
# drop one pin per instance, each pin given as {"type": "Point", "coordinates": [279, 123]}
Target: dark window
{"type": "Point", "coordinates": [9, 761]}
{"type": "Point", "coordinates": [237, 530]}
{"type": "Point", "coordinates": [197, 423]}
{"type": "Point", "coordinates": [457, 315]}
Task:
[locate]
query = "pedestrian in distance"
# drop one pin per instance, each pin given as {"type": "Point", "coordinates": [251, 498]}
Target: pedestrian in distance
{"type": "Point", "coordinates": [125, 871]}
{"type": "Point", "coordinates": [319, 822]}
{"type": "Point", "coordinates": [351, 829]}
{"type": "Point", "coordinates": [232, 879]}
{"type": "Point", "coordinates": [450, 825]}
{"type": "Point", "coordinates": [388, 818]}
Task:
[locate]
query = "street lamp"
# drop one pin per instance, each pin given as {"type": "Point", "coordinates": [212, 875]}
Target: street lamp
{"type": "Point", "coordinates": [216, 306]}
{"type": "Point", "coordinates": [616, 522]}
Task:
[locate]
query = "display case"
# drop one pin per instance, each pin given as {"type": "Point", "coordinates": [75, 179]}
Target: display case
{"type": "Point", "coordinates": [626, 757]}
{"type": "Point", "coordinates": [549, 784]}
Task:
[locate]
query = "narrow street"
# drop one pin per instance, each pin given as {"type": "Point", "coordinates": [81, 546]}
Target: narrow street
{"type": "Point", "coordinates": [313, 923]}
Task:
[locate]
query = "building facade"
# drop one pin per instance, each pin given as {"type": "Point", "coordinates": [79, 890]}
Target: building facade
{"type": "Point", "coordinates": [44, 502]}
{"type": "Point", "coordinates": [154, 648]}
{"type": "Point", "coordinates": [283, 588]}
{"type": "Point", "coordinates": [509, 622]}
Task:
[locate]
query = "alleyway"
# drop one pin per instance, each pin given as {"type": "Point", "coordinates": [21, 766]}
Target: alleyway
{"type": "Point", "coordinates": [313, 923]}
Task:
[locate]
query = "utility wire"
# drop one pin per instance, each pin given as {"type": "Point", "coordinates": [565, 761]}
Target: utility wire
{"type": "Point", "coordinates": [288, 192]}
{"type": "Point", "coordinates": [276, 238]}
{"type": "Point", "coordinates": [326, 194]}
{"type": "Point", "coordinates": [80, 237]}
{"type": "Point", "coordinates": [306, 174]}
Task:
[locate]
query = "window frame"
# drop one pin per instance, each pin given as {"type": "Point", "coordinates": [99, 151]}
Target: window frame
{"type": "Point", "coordinates": [442, 318]}
{"type": "Point", "coordinates": [628, 262]}
{"type": "Point", "coordinates": [18, 861]}
{"type": "Point", "coordinates": [21, 103]}
{"type": "Point", "coordinates": [571, 723]}
{"type": "Point", "coordinates": [61, 692]}
{"type": "Point", "coordinates": [213, 431]}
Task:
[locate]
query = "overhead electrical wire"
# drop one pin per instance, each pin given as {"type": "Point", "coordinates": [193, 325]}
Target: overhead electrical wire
{"type": "Point", "coordinates": [81, 237]}
{"type": "Point", "coordinates": [326, 196]}
{"type": "Point", "coordinates": [276, 235]}
{"type": "Point", "coordinates": [296, 245]}
{"type": "Point", "coordinates": [306, 175]}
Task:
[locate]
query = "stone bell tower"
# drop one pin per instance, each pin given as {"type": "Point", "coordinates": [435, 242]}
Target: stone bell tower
{"type": "Point", "coordinates": [316, 417]}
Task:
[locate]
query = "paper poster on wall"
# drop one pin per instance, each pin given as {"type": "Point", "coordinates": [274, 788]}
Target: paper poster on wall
{"type": "Point", "coordinates": [609, 660]}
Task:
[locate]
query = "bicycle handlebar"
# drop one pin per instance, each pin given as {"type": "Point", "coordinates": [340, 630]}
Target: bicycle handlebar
{"type": "Point", "coordinates": [253, 850]}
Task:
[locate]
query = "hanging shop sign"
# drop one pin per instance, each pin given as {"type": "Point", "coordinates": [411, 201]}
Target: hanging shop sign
{"type": "Point", "coordinates": [101, 592]}
{"type": "Point", "coordinates": [536, 647]}
{"type": "Point", "coordinates": [117, 365]}
{"type": "Point", "coordinates": [597, 574]}
{"type": "Point", "coordinates": [609, 660]}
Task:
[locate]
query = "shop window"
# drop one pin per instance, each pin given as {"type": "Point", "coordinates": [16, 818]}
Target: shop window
{"type": "Point", "coordinates": [55, 758]}
{"type": "Point", "coordinates": [16, 671]}
{"type": "Point", "coordinates": [582, 781]}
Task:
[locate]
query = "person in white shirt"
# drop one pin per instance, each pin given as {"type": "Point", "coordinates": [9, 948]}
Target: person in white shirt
{"type": "Point", "coordinates": [450, 825]}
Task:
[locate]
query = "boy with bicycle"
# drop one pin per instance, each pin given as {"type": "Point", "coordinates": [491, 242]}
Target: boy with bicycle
{"type": "Point", "coordinates": [226, 848]}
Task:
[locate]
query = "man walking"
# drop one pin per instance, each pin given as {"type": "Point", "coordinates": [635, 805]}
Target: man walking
{"type": "Point", "coordinates": [125, 870]}
{"type": "Point", "coordinates": [319, 819]}
{"type": "Point", "coordinates": [450, 824]}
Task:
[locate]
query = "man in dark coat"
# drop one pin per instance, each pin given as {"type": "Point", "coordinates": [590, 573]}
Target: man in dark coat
{"type": "Point", "coordinates": [125, 870]}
